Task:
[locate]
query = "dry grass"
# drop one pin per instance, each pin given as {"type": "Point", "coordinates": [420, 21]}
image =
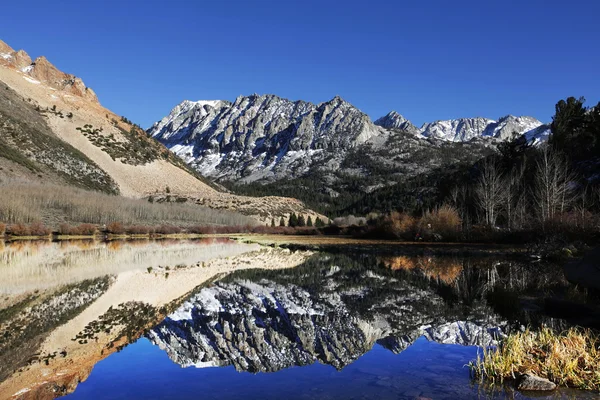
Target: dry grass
{"type": "Point", "coordinates": [22, 203]}
{"type": "Point", "coordinates": [571, 358]}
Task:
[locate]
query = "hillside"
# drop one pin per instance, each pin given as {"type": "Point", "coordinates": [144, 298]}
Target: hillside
{"type": "Point", "coordinates": [53, 129]}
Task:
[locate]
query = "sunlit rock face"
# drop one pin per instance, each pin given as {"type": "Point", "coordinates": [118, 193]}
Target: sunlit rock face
{"type": "Point", "coordinates": [259, 137]}
{"type": "Point", "coordinates": [265, 326]}
{"type": "Point", "coordinates": [266, 138]}
{"type": "Point", "coordinates": [41, 71]}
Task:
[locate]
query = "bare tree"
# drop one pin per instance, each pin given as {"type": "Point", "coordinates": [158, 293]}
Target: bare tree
{"type": "Point", "coordinates": [554, 184]}
{"type": "Point", "coordinates": [490, 190]}
{"type": "Point", "coordinates": [514, 196]}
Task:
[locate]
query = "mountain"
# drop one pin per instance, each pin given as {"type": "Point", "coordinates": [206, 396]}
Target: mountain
{"type": "Point", "coordinates": [269, 139]}
{"type": "Point", "coordinates": [53, 129]}
{"type": "Point", "coordinates": [327, 154]}
{"type": "Point", "coordinates": [261, 137]}
{"type": "Point", "coordinates": [331, 313]}
{"type": "Point", "coordinates": [464, 129]}
{"type": "Point", "coordinates": [393, 120]}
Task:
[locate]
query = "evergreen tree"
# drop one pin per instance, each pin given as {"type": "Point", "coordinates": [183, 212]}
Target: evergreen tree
{"type": "Point", "coordinates": [272, 222]}
{"type": "Point", "coordinates": [568, 126]}
{"type": "Point", "coordinates": [301, 221]}
{"type": "Point", "coordinates": [309, 221]}
{"type": "Point", "coordinates": [319, 223]}
{"type": "Point", "coordinates": [282, 222]}
{"type": "Point", "coordinates": [293, 222]}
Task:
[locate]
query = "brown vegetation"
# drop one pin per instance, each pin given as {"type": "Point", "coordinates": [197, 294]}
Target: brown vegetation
{"type": "Point", "coordinates": [27, 203]}
{"type": "Point", "coordinates": [570, 358]}
{"type": "Point", "coordinates": [442, 223]}
{"type": "Point", "coordinates": [79, 230]}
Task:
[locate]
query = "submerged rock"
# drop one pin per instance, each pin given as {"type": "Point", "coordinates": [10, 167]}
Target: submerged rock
{"type": "Point", "coordinates": [530, 381]}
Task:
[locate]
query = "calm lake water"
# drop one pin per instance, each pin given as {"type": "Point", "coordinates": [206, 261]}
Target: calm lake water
{"type": "Point", "coordinates": [217, 319]}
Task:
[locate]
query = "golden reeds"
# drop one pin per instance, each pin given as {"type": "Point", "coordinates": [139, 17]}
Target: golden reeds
{"type": "Point", "coordinates": [570, 358]}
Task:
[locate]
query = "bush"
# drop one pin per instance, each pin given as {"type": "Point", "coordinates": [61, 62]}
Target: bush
{"type": "Point", "coordinates": [19, 230]}
{"type": "Point", "coordinates": [2, 228]}
{"type": "Point", "coordinates": [39, 229]}
{"type": "Point", "coordinates": [83, 229]}
{"type": "Point", "coordinates": [444, 221]}
{"type": "Point", "coordinates": [115, 228]}
{"type": "Point", "coordinates": [168, 229]}
{"type": "Point", "coordinates": [402, 225]}
{"type": "Point", "coordinates": [139, 230]}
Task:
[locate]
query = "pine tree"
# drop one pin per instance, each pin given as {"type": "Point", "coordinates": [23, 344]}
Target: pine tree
{"type": "Point", "coordinates": [301, 221]}
{"type": "Point", "coordinates": [293, 222]}
{"type": "Point", "coordinates": [281, 222]}
{"type": "Point", "coordinates": [309, 221]}
{"type": "Point", "coordinates": [272, 222]}
{"type": "Point", "coordinates": [319, 223]}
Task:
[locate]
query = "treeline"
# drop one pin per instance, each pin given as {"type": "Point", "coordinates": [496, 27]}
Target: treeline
{"type": "Point", "coordinates": [523, 186]}
{"type": "Point", "coordinates": [298, 221]}
{"type": "Point", "coordinates": [538, 190]}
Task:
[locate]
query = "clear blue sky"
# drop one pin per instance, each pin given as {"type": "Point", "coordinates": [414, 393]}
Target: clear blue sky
{"type": "Point", "coordinates": [427, 60]}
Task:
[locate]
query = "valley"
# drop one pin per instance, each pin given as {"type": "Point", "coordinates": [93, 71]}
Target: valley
{"type": "Point", "coordinates": [268, 246]}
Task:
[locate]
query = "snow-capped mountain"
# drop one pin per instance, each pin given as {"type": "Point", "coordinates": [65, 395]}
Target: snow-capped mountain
{"type": "Point", "coordinates": [393, 120]}
{"type": "Point", "coordinates": [456, 130]}
{"type": "Point", "coordinates": [261, 137]}
{"type": "Point", "coordinates": [261, 325]}
{"type": "Point", "coordinates": [464, 129]}
{"type": "Point", "coordinates": [271, 139]}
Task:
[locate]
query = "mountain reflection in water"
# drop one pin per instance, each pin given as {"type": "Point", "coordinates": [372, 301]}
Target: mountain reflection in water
{"type": "Point", "coordinates": [252, 309]}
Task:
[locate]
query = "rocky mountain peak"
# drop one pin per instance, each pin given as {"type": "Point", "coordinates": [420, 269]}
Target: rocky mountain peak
{"type": "Point", "coordinates": [393, 120]}
{"type": "Point", "coordinates": [5, 48]}
{"type": "Point", "coordinates": [43, 71]}
{"type": "Point", "coordinates": [456, 130]}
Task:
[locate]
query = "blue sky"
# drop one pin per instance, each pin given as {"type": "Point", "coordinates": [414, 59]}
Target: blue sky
{"type": "Point", "coordinates": [427, 60]}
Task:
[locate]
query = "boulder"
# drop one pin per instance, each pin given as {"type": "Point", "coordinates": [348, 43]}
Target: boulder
{"type": "Point", "coordinates": [529, 381]}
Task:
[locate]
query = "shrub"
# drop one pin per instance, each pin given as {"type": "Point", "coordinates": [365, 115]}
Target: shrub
{"type": "Point", "coordinates": [444, 221]}
{"type": "Point", "coordinates": [167, 229]}
{"type": "Point", "coordinates": [402, 225]}
{"type": "Point", "coordinates": [116, 228]}
{"type": "Point", "coordinates": [82, 229]}
{"type": "Point", "coordinates": [139, 229]}
{"type": "Point", "coordinates": [2, 228]}
{"type": "Point", "coordinates": [85, 229]}
{"type": "Point", "coordinates": [20, 230]}
{"type": "Point", "coordinates": [201, 230]}
{"type": "Point", "coordinates": [39, 229]}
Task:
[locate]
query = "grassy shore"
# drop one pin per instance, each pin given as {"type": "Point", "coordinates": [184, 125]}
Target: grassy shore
{"type": "Point", "coordinates": [570, 359]}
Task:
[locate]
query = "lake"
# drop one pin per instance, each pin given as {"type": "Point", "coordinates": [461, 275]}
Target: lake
{"type": "Point", "coordinates": [220, 319]}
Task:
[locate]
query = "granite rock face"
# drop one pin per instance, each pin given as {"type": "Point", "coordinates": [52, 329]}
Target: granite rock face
{"type": "Point", "coordinates": [268, 139]}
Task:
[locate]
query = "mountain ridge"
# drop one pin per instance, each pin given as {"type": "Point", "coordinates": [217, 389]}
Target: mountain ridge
{"type": "Point", "coordinates": [270, 140]}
